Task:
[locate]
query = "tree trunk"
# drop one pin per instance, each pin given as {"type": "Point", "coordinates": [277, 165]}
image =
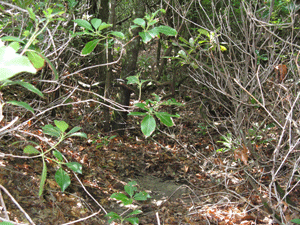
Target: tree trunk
{"type": "Point", "coordinates": [128, 69]}
{"type": "Point", "coordinates": [109, 75]}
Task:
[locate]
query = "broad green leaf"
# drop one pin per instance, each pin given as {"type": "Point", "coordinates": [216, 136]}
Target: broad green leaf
{"type": "Point", "coordinates": [205, 32]}
{"type": "Point", "coordinates": [43, 178]}
{"type": "Point", "coordinates": [37, 61]}
{"type": "Point", "coordinates": [137, 114]}
{"type": "Point", "coordinates": [22, 104]}
{"type": "Point", "coordinates": [133, 220]}
{"type": "Point", "coordinates": [148, 125]}
{"type": "Point", "coordinates": [167, 30]}
{"type": "Point", "coordinates": [62, 178]}
{"type": "Point", "coordinates": [182, 54]}
{"type": "Point", "coordinates": [58, 155]}
{"type": "Point", "coordinates": [96, 23]}
{"type": "Point", "coordinates": [83, 23]}
{"type": "Point", "coordinates": [12, 63]}
{"type": "Point", "coordinates": [141, 196]}
{"type": "Point", "coordinates": [119, 196]}
{"type": "Point", "coordinates": [75, 166]}
{"type": "Point", "coordinates": [52, 131]}
{"type": "Point", "coordinates": [62, 125]}
{"type": "Point", "coordinates": [165, 118]}
{"type": "Point", "coordinates": [79, 134]}
{"type": "Point", "coordinates": [154, 32]}
{"type": "Point", "coordinates": [297, 221]}
{"type": "Point", "coordinates": [6, 223]}
{"type": "Point", "coordinates": [140, 22]}
{"type": "Point", "coordinates": [141, 106]}
{"type": "Point", "coordinates": [73, 130]}
{"type": "Point", "coordinates": [152, 22]}
{"type": "Point", "coordinates": [15, 46]}
{"type": "Point", "coordinates": [89, 47]}
{"type": "Point", "coordinates": [135, 212]}
{"type": "Point", "coordinates": [113, 216]}
{"type": "Point", "coordinates": [104, 26]}
{"type": "Point", "coordinates": [118, 34]}
{"type": "Point", "coordinates": [11, 38]}
{"type": "Point", "coordinates": [29, 149]}
{"type": "Point", "coordinates": [132, 80]}
{"type": "Point", "coordinates": [146, 37]}
{"type": "Point", "coordinates": [130, 188]}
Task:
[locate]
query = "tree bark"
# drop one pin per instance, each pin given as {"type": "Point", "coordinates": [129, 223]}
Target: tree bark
{"type": "Point", "coordinates": [129, 69]}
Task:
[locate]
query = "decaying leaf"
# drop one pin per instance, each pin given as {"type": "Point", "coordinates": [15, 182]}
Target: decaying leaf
{"type": "Point", "coordinates": [242, 154]}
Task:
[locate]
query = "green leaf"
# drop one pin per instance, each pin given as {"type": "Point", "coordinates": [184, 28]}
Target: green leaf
{"type": "Point", "coordinates": [52, 131]}
{"type": "Point", "coordinates": [30, 87]}
{"type": "Point", "coordinates": [297, 221]}
{"type": "Point", "coordinates": [184, 40]}
{"type": "Point", "coordinates": [165, 118]}
{"type": "Point", "coordinates": [22, 104]}
{"type": "Point", "coordinates": [79, 134]}
{"type": "Point", "coordinates": [73, 130]}
{"type": "Point", "coordinates": [141, 196]}
{"type": "Point", "coordinates": [205, 32]}
{"type": "Point", "coordinates": [133, 220]}
{"type": "Point", "coordinates": [154, 32]}
{"type": "Point", "coordinates": [75, 166]}
{"type": "Point", "coordinates": [29, 149]}
{"type": "Point", "coordinates": [83, 23]}
{"type": "Point", "coordinates": [11, 38]}
{"type": "Point", "coordinates": [146, 37]}
{"type": "Point", "coordinates": [62, 125]}
{"type": "Point", "coordinates": [37, 61]}
{"type": "Point", "coordinates": [141, 106]}
{"type": "Point", "coordinates": [90, 46]}
{"type": "Point", "coordinates": [104, 26]}
{"type": "Point", "coordinates": [11, 63]}
{"type": "Point", "coordinates": [118, 34]}
{"type": "Point", "coordinates": [63, 179]}
{"type": "Point", "coordinates": [121, 197]}
{"type": "Point", "coordinates": [148, 125]}
{"type": "Point", "coordinates": [140, 22]}
{"type": "Point", "coordinates": [15, 46]}
{"type": "Point", "coordinates": [113, 216]}
{"type": "Point", "coordinates": [182, 54]}
{"type": "Point", "coordinates": [135, 212]}
{"type": "Point", "coordinates": [58, 155]}
{"type": "Point", "coordinates": [137, 114]}
{"type": "Point", "coordinates": [167, 30]}
{"type": "Point", "coordinates": [130, 188]}
{"type": "Point", "coordinates": [132, 80]}
{"type": "Point", "coordinates": [6, 223]}
{"type": "Point", "coordinates": [96, 23]}
{"type": "Point", "coordinates": [43, 178]}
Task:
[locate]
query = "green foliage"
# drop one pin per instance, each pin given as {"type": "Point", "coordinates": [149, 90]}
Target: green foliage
{"type": "Point", "coordinates": [58, 131]}
{"type": "Point", "coordinates": [131, 190]}
{"type": "Point", "coordinates": [95, 28]}
{"type": "Point", "coordinates": [229, 142]}
{"type": "Point", "coordinates": [149, 32]}
{"type": "Point", "coordinates": [297, 221]}
{"type": "Point", "coordinates": [103, 141]}
{"type": "Point", "coordinates": [139, 82]}
{"type": "Point", "coordinates": [151, 107]}
{"type": "Point", "coordinates": [194, 44]}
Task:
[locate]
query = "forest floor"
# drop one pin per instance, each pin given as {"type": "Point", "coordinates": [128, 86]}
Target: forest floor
{"type": "Point", "coordinates": [189, 182]}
